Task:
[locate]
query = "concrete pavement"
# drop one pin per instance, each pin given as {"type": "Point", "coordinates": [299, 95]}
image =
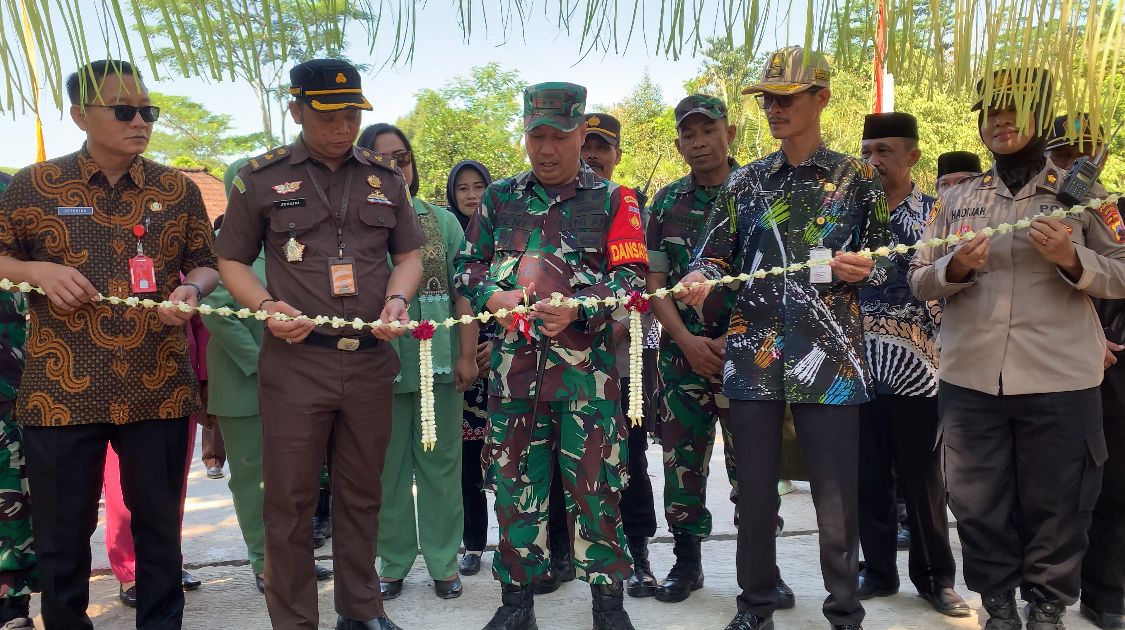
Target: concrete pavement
{"type": "Point", "coordinates": [214, 552]}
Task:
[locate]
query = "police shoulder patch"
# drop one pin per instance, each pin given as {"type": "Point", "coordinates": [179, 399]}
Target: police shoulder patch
{"type": "Point", "coordinates": [934, 211]}
{"type": "Point", "coordinates": [1111, 217]}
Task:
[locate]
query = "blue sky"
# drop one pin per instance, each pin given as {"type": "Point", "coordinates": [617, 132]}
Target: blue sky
{"type": "Point", "coordinates": [543, 53]}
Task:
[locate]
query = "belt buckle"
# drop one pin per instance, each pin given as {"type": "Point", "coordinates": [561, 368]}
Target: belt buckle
{"type": "Point", "coordinates": [347, 344]}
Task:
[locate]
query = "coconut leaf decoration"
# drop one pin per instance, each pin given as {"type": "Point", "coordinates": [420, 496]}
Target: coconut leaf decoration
{"type": "Point", "coordinates": [947, 44]}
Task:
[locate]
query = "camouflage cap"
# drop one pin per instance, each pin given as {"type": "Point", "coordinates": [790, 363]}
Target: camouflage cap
{"type": "Point", "coordinates": [789, 72]}
{"type": "Point", "coordinates": [711, 106]}
{"type": "Point", "coordinates": [557, 104]}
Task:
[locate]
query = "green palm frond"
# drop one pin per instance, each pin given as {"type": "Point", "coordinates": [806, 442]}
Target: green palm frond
{"type": "Point", "coordinates": [1080, 40]}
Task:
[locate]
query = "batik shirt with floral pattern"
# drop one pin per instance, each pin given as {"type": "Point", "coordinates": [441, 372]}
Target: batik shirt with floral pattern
{"type": "Point", "coordinates": [902, 331]}
{"type": "Point", "coordinates": [790, 339]}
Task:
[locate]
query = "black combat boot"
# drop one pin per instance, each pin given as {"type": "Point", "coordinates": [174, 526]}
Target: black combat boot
{"type": "Point", "coordinates": [1046, 615]}
{"type": "Point", "coordinates": [642, 583]}
{"type": "Point", "coordinates": [518, 610]}
{"type": "Point", "coordinates": [609, 609]}
{"type": "Point", "coordinates": [561, 563]}
{"type": "Point", "coordinates": [322, 519]}
{"type": "Point", "coordinates": [686, 574]}
{"type": "Point", "coordinates": [1002, 612]}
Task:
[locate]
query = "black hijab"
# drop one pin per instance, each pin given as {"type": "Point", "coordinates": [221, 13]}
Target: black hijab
{"type": "Point", "coordinates": [451, 192]}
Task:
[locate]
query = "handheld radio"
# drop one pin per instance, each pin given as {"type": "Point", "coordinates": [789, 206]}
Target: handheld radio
{"type": "Point", "coordinates": [1075, 188]}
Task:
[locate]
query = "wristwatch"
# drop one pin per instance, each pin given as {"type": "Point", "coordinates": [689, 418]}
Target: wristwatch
{"type": "Point", "coordinates": [396, 296]}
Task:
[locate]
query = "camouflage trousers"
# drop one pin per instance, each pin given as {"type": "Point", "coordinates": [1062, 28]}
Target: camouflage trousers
{"type": "Point", "coordinates": [692, 404]}
{"type": "Point", "coordinates": [589, 439]}
{"type": "Point", "coordinates": [17, 559]}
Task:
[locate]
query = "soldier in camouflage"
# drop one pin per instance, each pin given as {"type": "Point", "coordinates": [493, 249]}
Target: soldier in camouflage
{"type": "Point", "coordinates": [17, 559]}
{"type": "Point", "coordinates": [554, 392]}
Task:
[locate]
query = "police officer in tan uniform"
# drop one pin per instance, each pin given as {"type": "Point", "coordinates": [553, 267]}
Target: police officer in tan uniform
{"type": "Point", "coordinates": [328, 214]}
{"type": "Point", "coordinates": [1021, 360]}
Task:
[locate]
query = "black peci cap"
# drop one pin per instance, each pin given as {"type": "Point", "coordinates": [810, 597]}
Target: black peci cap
{"type": "Point", "coordinates": [890, 125]}
{"type": "Point", "coordinates": [958, 162]}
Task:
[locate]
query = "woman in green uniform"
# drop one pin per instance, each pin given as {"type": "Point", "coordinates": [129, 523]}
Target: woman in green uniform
{"type": "Point", "coordinates": [436, 473]}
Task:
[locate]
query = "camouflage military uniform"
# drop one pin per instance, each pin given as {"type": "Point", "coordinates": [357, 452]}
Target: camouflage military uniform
{"type": "Point", "coordinates": [17, 559]}
{"type": "Point", "coordinates": [691, 402]}
{"type": "Point", "coordinates": [584, 239]}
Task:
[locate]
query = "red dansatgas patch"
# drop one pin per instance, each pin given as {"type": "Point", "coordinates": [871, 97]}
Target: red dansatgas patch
{"type": "Point", "coordinates": [626, 236]}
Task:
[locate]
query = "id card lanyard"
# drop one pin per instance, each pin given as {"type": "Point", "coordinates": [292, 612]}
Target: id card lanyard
{"type": "Point", "coordinates": [341, 270]}
{"type": "Point", "coordinates": [142, 272]}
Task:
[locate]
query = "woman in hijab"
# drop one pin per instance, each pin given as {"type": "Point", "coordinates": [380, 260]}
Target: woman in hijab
{"type": "Point", "coordinates": [464, 190]}
{"type": "Point", "coordinates": [1021, 358]}
{"type": "Point", "coordinates": [455, 368]}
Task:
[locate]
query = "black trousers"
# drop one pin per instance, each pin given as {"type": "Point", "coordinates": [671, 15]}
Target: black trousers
{"type": "Point", "coordinates": [64, 472]}
{"type": "Point", "coordinates": [1029, 463]}
{"type": "Point", "coordinates": [898, 437]}
{"type": "Point", "coordinates": [828, 436]}
{"type": "Point", "coordinates": [1103, 569]}
{"type": "Point", "coordinates": [472, 496]}
{"type": "Point", "coordinates": [638, 507]}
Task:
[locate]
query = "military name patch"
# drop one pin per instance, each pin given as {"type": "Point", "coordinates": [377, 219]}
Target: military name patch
{"type": "Point", "coordinates": [960, 214]}
{"type": "Point", "coordinates": [75, 211]}
{"type": "Point", "coordinates": [281, 204]}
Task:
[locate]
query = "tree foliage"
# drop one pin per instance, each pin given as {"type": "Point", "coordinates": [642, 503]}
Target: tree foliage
{"type": "Point", "coordinates": [189, 135]}
{"type": "Point", "coordinates": [470, 118]}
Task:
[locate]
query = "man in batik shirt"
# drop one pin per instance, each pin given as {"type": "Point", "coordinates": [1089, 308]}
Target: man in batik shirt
{"type": "Point", "coordinates": [796, 337]}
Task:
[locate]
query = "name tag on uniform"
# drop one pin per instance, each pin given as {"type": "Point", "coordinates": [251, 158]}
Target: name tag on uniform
{"type": "Point", "coordinates": [342, 271]}
{"type": "Point", "coordinates": [281, 204]}
{"type": "Point", "coordinates": [75, 211]}
{"type": "Point", "coordinates": [822, 273]}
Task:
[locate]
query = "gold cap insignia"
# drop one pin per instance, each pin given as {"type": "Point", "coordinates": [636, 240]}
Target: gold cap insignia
{"type": "Point", "coordinates": [340, 78]}
{"type": "Point", "coordinates": [374, 182]}
{"type": "Point", "coordinates": [986, 180]}
{"type": "Point", "coordinates": [594, 121]}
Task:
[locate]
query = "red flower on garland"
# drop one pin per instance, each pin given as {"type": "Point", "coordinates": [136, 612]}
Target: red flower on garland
{"type": "Point", "coordinates": [637, 302]}
{"type": "Point", "coordinates": [425, 330]}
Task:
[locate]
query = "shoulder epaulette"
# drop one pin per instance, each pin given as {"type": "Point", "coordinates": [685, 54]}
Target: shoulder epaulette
{"type": "Point", "coordinates": [383, 160]}
{"type": "Point", "coordinates": [267, 158]}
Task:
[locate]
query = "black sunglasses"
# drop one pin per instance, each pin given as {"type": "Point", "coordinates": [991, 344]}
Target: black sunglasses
{"type": "Point", "coordinates": [126, 113]}
{"type": "Point", "coordinates": [403, 158]}
{"type": "Point", "coordinates": [766, 101]}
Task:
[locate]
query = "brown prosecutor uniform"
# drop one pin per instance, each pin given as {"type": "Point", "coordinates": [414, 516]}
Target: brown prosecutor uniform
{"type": "Point", "coordinates": [316, 397]}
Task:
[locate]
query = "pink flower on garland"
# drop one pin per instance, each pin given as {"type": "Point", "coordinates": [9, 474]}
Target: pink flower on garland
{"type": "Point", "coordinates": [424, 331]}
{"type": "Point", "coordinates": [637, 302]}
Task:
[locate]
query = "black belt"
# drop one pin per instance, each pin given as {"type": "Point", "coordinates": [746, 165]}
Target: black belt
{"type": "Point", "coordinates": [345, 344]}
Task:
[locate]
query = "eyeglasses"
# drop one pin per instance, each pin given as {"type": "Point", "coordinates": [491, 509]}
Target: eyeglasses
{"type": "Point", "coordinates": [403, 158]}
{"type": "Point", "coordinates": [126, 113]}
{"type": "Point", "coordinates": [766, 101]}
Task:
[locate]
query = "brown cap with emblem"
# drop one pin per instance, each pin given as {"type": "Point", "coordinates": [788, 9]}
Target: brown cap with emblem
{"type": "Point", "coordinates": [605, 127]}
{"type": "Point", "coordinates": [791, 71]}
{"type": "Point", "coordinates": [327, 85]}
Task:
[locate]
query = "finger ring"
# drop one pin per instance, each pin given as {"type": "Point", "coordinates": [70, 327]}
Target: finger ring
{"type": "Point", "coordinates": [288, 341]}
{"type": "Point", "coordinates": [1045, 241]}
{"type": "Point", "coordinates": [980, 260]}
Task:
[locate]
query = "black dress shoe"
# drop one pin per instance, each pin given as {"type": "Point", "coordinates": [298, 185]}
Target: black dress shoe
{"type": "Point", "coordinates": [448, 589]}
{"type": "Point", "coordinates": [380, 623]}
{"type": "Point", "coordinates": [746, 620]}
{"type": "Point", "coordinates": [128, 596]}
{"type": "Point", "coordinates": [260, 582]}
{"type": "Point", "coordinates": [870, 587]}
{"type": "Point", "coordinates": [390, 590]}
{"type": "Point", "coordinates": [469, 565]}
{"type": "Point", "coordinates": [1104, 620]}
{"type": "Point", "coordinates": [947, 602]}
{"type": "Point", "coordinates": [785, 597]}
{"type": "Point", "coordinates": [322, 573]}
{"type": "Point", "coordinates": [189, 581]}
{"type": "Point", "coordinates": [848, 626]}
